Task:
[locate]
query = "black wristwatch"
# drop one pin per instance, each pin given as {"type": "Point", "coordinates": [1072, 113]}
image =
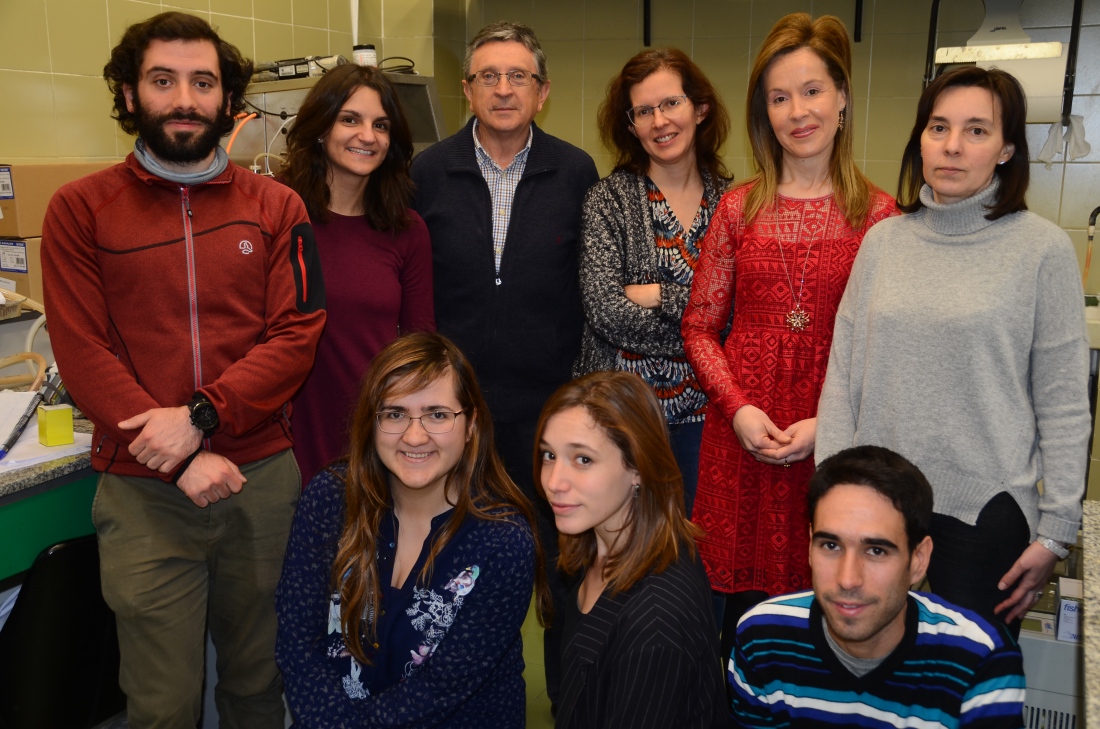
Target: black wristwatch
{"type": "Point", "coordinates": [204, 415]}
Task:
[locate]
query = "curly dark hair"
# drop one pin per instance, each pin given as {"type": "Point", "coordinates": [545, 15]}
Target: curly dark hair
{"type": "Point", "coordinates": [389, 190]}
{"type": "Point", "coordinates": [124, 68]}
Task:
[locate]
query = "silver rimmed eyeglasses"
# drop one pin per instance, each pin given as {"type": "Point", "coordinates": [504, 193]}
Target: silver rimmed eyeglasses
{"type": "Point", "coordinates": [515, 78]}
{"type": "Point", "coordinates": [436, 422]}
{"type": "Point", "coordinates": [642, 116]}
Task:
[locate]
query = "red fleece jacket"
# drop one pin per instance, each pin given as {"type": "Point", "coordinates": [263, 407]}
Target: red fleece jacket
{"type": "Point", "coordinates": [158, 290]}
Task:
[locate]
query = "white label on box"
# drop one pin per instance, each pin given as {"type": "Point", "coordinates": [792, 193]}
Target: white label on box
{"type": "Point", "coordinates": [13, 256]}
{"type": "Point", "coordinates": [1069, 620]}
{"type": "Point", "coordinates": [7, 190]}
{"type": "Point", "coordinates": [7, 283]}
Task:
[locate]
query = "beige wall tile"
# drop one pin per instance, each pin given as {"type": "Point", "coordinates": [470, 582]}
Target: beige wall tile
{"type": "Point", "coordinates": [726, 63]}
{"type": "Point", "coordinates": [1044, 193]}
{"type": "Point", "coordinates": [370, 19]}
{"type": "Point", "coordinates": [242, 8]}
{"type": "Point", "coordinates": [1080, 194]}
{"type": "Point", "coordinates": [475, 17]}
{"type": "Point", "coordinates": [900, 16]}
{"type": "Point", "coordinates": [590, 133]}
{"type": "Point", "coordinates": [846, 11]}
{"type": "Point", "coordinates": [447, 62]}
{"type": "Point", "coordinates": [1046, 14]}
{"type": "Point", "coordinates": [78, 36]}
{"type": "Point", "coordinates": [561, 116]}
{"type": "Point", "coordinates": [723, 18]}
{"type": "Point", "coordinates": [560, 20]}
{"type": "Point", "coordinates": [672, 19]}
{"type": "Point", "coordinates": [613, 19]}
{"type": "Point", "coordinates": [419, 50]}
{"type": "Point", "coordinates": [339, 15]}
{"type": "Point", "coordinates": [450, 20]}
{"type": "Point", "coordinates": [565, 61]}
{"type": "Point", "coordinates": [897, 65]}
{"type": "Point", "coordinates": [454, 113]}
{"type": "Point", "coordinates": [963, 15]}
{"type": "Point", "coordinates": [604, 59]}
{"type": "Point", "coordinates": [604, 163]}
{"type": "Point", "coordinates": [311, 13]}
{"type": "Point", "coordinates": [274, 41]}
{"type": "Point", "coordinates": [27, 127]}
{"type": "Point", "coordinates": [858, 117]}
{"type": "Point", "coordinates": [276, 11]}
{"type": "Point", "coordinates": [82, 108]}
{"type": "Point", "coordinates": [310, 41]}
{"type": "Point", "coordinates": [24, 41]}
{"type": "Point", "coordinates": [198, 7]}
{"type": "Point", "coordinates": [883, 173]}
{"type": "Point", "coordinates": [406, 18]}
{"type": "Point", "coordinates": [121, 14]}
{"type": "Point", "coordinates": [517, 11]}
{"type": "Point", "coordinates": [340, 44]}
{"type": "Point", "coordinates": [888, 124]}
{"type": "Point", "coordinates": [237, 31]}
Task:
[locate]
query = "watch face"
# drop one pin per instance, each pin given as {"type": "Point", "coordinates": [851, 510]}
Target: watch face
{"type": "Point", "coordinates": [204, 416]}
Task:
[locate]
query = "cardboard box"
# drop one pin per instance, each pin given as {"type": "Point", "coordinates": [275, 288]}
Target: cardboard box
{"type": "Point", "coordinates": [55, 425]}
{"type": "Point", "coordinates": [26, 189]}
{"type": "Point", "coordinates": [1070, 597]}
{"type": "Point", "coordinates": [21, 267]}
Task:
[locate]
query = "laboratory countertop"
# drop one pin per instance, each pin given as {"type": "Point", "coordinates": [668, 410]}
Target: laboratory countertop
{"type": "Point", "coordinates": [12, 482]}
{"type": "Point", "coordinates": [1091, 545]}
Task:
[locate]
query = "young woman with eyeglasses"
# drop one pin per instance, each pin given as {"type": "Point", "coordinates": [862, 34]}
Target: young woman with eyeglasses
{"type": "Point", "coordinates": [411, 562]}
{"type": "Point", "coordinates": [348, 157]}
{"type": "Point", "coordinates": [772, 272]}
{"type": "Point", "coordinates": [642, 229]}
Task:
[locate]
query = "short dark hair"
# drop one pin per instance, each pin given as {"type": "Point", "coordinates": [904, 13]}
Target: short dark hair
{"type": "Point", "coordinates": [884, 471]}
{"type": "Point", "coordinates": [615, 127]}
{"type": "Point", "coordinates": [389, 189]}
{"type": "Point", "coordinates": [124, 67]}
{"type": "Point", "coordinates": [1014, 174]}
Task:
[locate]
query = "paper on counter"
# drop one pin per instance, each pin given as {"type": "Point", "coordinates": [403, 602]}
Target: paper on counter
{"type": "Point", "coordinates": [27, 451]}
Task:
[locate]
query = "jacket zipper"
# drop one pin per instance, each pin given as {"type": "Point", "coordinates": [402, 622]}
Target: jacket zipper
{"type": "Point", "coordinates": [302, 267]}
{"type": "Point", "coordinates": [192, 288]}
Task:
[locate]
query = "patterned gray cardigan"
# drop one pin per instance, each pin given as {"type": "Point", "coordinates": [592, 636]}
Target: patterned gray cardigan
{"type": "Point", "coordinates": [617, 249]}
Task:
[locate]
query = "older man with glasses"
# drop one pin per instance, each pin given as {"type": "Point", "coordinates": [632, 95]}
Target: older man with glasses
{"type": "Point", "coordinates": [502, 200]}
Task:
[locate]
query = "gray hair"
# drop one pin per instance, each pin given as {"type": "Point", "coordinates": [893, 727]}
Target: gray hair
{"type": "Point", "coordinates": [504, 30]}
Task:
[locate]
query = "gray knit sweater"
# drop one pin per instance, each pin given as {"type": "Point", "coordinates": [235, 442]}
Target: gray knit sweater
{"type": "Point", "coordinates": [961, 344]}
{"type": "Point", "coordinates": [618, 250]}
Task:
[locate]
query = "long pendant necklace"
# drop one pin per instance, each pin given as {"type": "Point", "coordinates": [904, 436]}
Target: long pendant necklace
{"type": "Point", "coordinates": [797, 318]}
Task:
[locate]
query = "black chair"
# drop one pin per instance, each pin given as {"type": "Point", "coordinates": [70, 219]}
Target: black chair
{"type": "Point", "coordinates": [59, 646]}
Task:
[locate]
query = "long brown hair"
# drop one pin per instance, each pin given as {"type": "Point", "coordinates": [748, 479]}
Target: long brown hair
{"type": "Point", "coordinates": [827, 38]}
{"type": "Point", "coordinates": [479, 483]}
{"type": "Point", "coordinates": [389, 190]}
{"type": "Point", "coordinates": [1013, 175]}
{"type": "Point", "coordinates": [615, 127]}
{"type": "Point", "coordinates": [655, 530]}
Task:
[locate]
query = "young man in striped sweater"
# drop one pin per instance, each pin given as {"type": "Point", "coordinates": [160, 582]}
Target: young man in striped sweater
{"type": "Point", "coordinates": [861, 649]}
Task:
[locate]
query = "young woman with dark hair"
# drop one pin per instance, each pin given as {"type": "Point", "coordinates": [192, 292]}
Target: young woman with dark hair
{"type": "Point", "coordinates": [640, 647]}
{"type": "Point", "coordinates": [411, 562]}
{"type": "Point", "coordinates": [643, 226]}
{"type": "Point", "coordinates": [776, 259]}
{"type": "Point", "coordinates": [348, 157]}
{"type": "Point", "coordinates": [961, 344]}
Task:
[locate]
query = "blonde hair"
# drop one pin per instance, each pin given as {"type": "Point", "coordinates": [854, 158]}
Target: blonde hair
{"type": "Point", "coordinates": [828, 39]}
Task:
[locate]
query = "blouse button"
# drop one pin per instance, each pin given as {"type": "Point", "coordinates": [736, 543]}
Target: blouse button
{"type": "Point", "coordinates": [376, 646]}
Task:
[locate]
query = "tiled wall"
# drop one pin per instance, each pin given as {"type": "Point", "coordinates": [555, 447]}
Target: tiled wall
{"type": "Point", "coordinates": [54, 104]}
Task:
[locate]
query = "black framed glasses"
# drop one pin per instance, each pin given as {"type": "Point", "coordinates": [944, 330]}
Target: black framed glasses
{"type": "Point", "coordinates": [642, 116]}
{"type": "Point", "coordinates": [436, 422]}
{"type": "Point", "coordinates": [515, 78]}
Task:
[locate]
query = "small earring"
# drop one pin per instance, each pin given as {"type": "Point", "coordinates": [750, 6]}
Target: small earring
{"type": "Point", "coordinates": [1002, 161]}
{"type": "Point", "coordinates": [840, 124]}
{"type": "Point", "coordinates": [636, 487]}
{"type": "Point", "coordinates": [320, 140]}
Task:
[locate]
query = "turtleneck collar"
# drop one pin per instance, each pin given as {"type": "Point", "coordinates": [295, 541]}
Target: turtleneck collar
{"type": "Point", "coordinates": [150, 163]}
{"type": "Point", "coordinates": [960, 218]}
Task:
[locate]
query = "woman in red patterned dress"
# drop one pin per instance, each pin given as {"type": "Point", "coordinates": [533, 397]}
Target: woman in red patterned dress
{"type": "Point", "coordinates": [777, 255]}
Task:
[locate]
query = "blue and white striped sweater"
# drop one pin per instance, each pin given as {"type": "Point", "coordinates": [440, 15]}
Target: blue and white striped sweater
{"type": "Point", "coordinates": [952, 669]}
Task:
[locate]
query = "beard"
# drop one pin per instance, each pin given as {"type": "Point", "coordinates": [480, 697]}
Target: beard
{"type": "Point", "coordinates": [180, 147]}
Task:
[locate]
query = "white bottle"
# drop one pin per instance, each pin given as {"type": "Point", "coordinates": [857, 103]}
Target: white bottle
{"type": "Point", "coordinates": [365, 55]}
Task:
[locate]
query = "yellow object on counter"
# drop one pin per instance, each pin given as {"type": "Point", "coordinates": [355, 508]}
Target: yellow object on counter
{"type": "Point", "coordinates": [55, 425]}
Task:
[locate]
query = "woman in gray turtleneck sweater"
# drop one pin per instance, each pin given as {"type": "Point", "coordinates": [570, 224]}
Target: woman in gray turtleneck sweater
{"type": "Point", "coordinates": [960, 343]}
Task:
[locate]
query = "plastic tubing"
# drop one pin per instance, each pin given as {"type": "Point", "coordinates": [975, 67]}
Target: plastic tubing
{"type": "Point", "coordinates": [233, 137]}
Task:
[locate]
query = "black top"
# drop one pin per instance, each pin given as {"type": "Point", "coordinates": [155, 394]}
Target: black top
{"type": "Point", "coordinates": [520, 328]}
{"type": "Point", "coordinates": [647, 657]}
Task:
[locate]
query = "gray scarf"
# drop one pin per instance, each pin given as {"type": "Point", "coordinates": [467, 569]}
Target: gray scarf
{"type": "Point", "coordinates": [221, 161]}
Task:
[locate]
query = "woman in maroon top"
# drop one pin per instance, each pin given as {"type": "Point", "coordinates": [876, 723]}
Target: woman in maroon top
{"type": "Point", "coordinates": [777, 254]}
{"type": "Point", "coordinates": [348, 156]}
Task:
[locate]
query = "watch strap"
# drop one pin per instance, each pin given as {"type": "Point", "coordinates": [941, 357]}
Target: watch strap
{"type": "Point", "coordinates": [1060, 551]}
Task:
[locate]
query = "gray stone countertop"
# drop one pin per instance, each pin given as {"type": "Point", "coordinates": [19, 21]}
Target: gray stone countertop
{"type": "Point", "coordinates": [12, 482]}
{"type": "Point", "coordinates": [1091, 545]}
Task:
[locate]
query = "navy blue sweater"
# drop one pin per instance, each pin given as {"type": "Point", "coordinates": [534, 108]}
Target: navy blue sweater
{"type": "Point", "coordinates": [448, 652]}
{"type": "Point", "coordinates": [522, 328]}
